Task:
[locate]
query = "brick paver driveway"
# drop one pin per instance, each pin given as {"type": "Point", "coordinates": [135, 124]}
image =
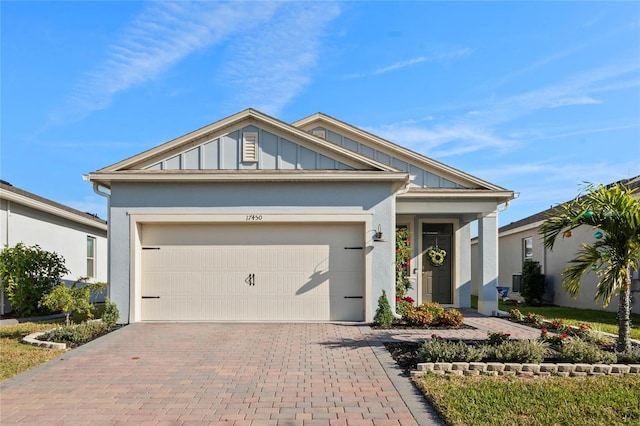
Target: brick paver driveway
{"type": "Point", "coordinates": [179, 373]}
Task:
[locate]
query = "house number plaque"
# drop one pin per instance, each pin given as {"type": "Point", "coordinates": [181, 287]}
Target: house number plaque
{"type": "Point", "coordinates": [253, 217]}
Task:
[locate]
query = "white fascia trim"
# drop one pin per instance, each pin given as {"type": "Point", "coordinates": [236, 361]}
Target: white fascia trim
{"type": "Point", "coordinates": [356, 176]}
{"type": "Point", "coordinates": [47, 208]}
{"type": "Point", "coordinates": [459, 194]}
{"type": "Point", "coordinates": [522, 228]}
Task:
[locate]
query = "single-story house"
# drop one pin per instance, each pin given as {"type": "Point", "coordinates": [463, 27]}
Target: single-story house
{"type": "Point", "coordinates": [80, 238]}
{"type": "Point", "coordinates": [521, 240]}
{"type": "Point", "coordinates": [251, 218]}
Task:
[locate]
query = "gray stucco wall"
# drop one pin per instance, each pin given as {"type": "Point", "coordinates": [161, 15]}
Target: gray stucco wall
{"type": "Point", "coordinates": [373, 198]}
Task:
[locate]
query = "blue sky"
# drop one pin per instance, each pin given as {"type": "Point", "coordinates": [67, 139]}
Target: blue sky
{"type": "Point", "coordinates": [535, 97]}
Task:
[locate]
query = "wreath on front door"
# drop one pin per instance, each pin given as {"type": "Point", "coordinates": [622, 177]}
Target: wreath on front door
{"type": "Point", "coordinates": [436, 255]}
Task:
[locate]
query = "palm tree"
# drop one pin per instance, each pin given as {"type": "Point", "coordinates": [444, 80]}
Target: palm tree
{"type": "Point", "coordinates": [613, 256]}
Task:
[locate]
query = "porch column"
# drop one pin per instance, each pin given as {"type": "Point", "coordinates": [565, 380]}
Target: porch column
{"type": "Point", "coordinates": [462, 296]}
{"type": "Point", "coordinates": [488, 263]}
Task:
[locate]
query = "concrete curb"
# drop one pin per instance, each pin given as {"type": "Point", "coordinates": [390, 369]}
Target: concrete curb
{"type": "Point", "coordinates": [420, 408]}
{"type": "Point", "coordinates": [528, 370]}
{"type": "Point", "coordinates": [32, 339]}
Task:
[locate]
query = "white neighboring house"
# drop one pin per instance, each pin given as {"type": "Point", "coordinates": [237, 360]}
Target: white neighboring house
{"type": "Point", "coordinates": [80, 238]}
{"type": "Point", "coordinates": [521, 240]}
{"type": "Point", "coordinates": [251, 218]}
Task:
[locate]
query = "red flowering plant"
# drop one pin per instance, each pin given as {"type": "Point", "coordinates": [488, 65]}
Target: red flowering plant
{"type": "Point", "coordinates": [432, 315]}
{"type": "Point", "coordinates": [555, 339]}
{"type": "Point", "coordinates": [403, 259]}
{"type": "Point", "coordinates": [403, 303]}
{"type": "Point", "coordinates": [497, 338]}
{"type": "Point", "coordinates": [534, 318]}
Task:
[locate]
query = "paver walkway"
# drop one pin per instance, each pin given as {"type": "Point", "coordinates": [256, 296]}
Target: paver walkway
{"type": "Point", "coordinates": [198, 373]}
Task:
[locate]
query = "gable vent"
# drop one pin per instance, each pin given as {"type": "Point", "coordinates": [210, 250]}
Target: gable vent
{"type": "Point", "coordinates": [319, 133]}
{"type": "Point", "coordinates": [250, 147]}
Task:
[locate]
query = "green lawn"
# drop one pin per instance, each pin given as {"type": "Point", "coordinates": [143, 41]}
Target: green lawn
{"type": "Point", "coordinates": [15, 356]}
{"type": "Point", "coordinates": [496, 401]}
{"type": "Point", "coordinates": [599, 320]}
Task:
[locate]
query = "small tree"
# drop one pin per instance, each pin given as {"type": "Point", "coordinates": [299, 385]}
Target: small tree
{"type": "Point", "coordinates": [614, 253]}
{"type": "Point", "coordinates": [384, 315]}
{"type": "Point", "coordinates": [532, 284]}
{"type": "Point", "coordinates": [72, 299]}
{"type": "Point", "coordinates": [27, 274]}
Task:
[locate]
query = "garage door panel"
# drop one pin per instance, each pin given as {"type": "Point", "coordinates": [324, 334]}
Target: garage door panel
{"type": "Point", "coordinates": [304, 280]}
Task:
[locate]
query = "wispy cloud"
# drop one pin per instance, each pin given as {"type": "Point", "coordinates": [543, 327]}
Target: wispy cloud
{"type": "Point", "coordinates": [442, 140]}
{"type": "Point", "coordinates": [274, 63]}
{"type": "Point", "coordinates": [275, 48]}
{"type": "Point", "coordinates": [436, 57]}
{"type": "Point", "coordinates": [483, 127]}
{"type": "Point", "coordinates": [399, 65]}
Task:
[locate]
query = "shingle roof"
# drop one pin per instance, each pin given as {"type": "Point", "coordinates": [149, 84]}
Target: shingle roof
{"type": "Point", "coordinates": [7, 187]}
{"type": "Point", "coordinates": [630, 183]}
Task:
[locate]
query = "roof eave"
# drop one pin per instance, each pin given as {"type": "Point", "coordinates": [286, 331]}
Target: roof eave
{"type": "Point", "coordinates": [78, 217]}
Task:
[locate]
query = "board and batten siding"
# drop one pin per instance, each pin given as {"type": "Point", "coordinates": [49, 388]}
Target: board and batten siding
{"type": "Point", "coordinates": [225, 153]}
{"type": "Point", "coordinates": [423, 178]}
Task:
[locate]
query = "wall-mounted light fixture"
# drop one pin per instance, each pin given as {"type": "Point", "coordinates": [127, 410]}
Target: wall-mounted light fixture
{"type": "Point", "coordinates": [378, 235]}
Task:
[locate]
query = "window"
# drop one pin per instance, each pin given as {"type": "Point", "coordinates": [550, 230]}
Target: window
{"type": "Point", "coordinates": [527, 247]}
{"type": "Point", "coordinates": [91, 257]}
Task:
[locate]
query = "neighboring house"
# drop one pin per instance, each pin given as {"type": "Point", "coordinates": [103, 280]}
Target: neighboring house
{"type": "Point", "coordinates": [80, 238]}
{"type": "Point", "coordinates": [521, 240]}
{"type": "Point", "coordinates": [251, 218]}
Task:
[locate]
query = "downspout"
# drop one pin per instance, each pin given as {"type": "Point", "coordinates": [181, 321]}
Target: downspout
{"type": "Point", "coordinates": [107, 195]}
{"type": "Point", "coordinates": [400, 191]}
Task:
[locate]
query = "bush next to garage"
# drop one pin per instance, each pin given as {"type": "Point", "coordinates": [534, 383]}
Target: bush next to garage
{"type": "Point", "coordinates": [27, 274]}
{"type": "Point", "coordinates": [384, 315]}
{"type": "Point", "coordinates": [74, 298]}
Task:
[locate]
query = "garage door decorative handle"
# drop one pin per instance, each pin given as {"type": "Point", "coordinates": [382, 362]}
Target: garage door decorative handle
{"type": "Point", "coordinates": [251, 279]}
{"type": "Point", "coordinates": [151, 297]}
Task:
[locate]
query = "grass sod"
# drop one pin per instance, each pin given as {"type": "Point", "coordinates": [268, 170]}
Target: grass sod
{"type": "Point", "coordinates": [17, 357]}
{"type": "Point", "coordinates": [599, 320]}
{"type": "Point", "coordinates": [495, 401]}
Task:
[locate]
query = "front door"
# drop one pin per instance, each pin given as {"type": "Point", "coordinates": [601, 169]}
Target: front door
{"type": "Point", "coordinates": [436, 265]}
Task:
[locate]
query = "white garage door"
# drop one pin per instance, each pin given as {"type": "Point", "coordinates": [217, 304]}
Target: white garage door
{"type": "Point", "coordinates": [248, 272]}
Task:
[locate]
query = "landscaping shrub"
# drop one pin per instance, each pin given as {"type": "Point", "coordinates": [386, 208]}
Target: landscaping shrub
{"type": "Point", "coordinates": [631, 356]}
{"type": "Point", "coordinates": [497, 338]}
{"type": "Point", "coordinates": [72, 299]}
{"type": "Point", "coordinates": [384, 315]}
{"type": "Point", "coordinates": [111, 314]}
{"type": "Point", "coordinates": [431, 314]}
{"type": "Point", "coordinates": [516, 315]}
{"type": "Point", "coordinates": [78, 333]}
{"type": "Point", "coordinates": [424, 315]}
{"type": "Point", "coordinates": [27, 274]}
{"type": "Point", "coordinates": [579, 351]}
{"type": "Point", "coordinates": [402, 304]}
{"type": "Point", "coordinates": [532, 282]}
{"type": "Point", "coordinates": [440, 350]}
{"type": "Point", "coordinates": [524, 351]}
{"type": "Point", "coordinates": [452, 318]}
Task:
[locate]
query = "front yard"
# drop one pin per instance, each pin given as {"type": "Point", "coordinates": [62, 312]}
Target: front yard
{"type": "Point", "coordinates": [495, 401]}
{"type": "Point", "coordinates": [599, 320]}
{"type": "Point", "coordinates": [17, 357]}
